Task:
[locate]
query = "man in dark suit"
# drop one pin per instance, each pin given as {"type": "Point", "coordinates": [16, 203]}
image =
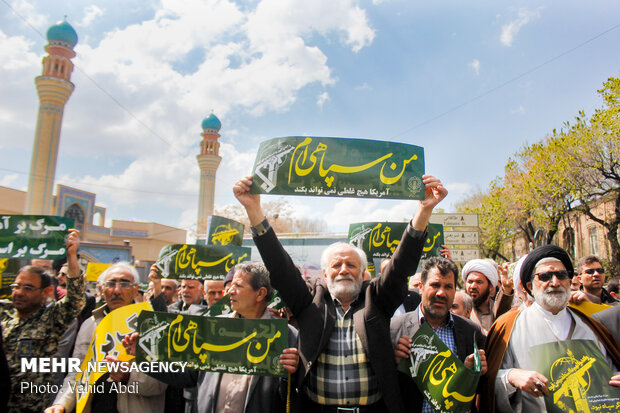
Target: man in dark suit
{"type": "Point", "coordinates": [344, 321]}
{"type": "Point", "coordinates": [610, 318]}
{"type": "Point", "coordinates": [437, 287]}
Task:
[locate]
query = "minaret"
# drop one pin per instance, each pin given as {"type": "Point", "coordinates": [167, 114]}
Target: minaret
{"type": "Point", "coordinates": [54, 87]}
{"type": "Point", "coordinates": [208, 161]}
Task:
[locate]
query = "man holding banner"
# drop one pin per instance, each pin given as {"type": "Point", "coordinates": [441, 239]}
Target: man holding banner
{"type": "Point", "coordinates": [31, 330]}
{"type": "Point", "coordinates": [344, 322]}
{"type": "Point", "coordinates": [219, 391]}
{"type": "Point", "coordinates": [550, 357]}
{"type": "Point", "coordinates": [118, 284]}
{"type": "Point", "coordinates": [437, 287]}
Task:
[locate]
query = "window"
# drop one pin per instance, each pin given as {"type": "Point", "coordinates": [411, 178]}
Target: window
{"type": "Point", "coordinates": [593, 241]}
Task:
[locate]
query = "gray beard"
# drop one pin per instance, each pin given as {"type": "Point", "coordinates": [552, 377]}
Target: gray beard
{"type": "Point", "coordinates": [344, 291]}
{"type": "Point", "coordinates": [551, 301]}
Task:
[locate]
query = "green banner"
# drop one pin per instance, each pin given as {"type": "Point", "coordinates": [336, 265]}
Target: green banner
{"type": "Point", "coordinates": [199, 262]}
{"type": "Point", "coordinates": [443, 379]}
{"type": "Point", "coordinates": [342, 167]}
{"type": "Point", "coordinates": [227, 345]}
{"type": "Point", "coordinates": [224, 231]}
{"type": "Point", "coordinates": [380, 239]}
{"type": "Point", "coordinates": [33, 236]}
{"type": "Point", "coordinates": [578, 375]}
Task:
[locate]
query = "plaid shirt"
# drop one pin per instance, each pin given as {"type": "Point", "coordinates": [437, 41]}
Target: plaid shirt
{"type": "Point", "coordinates": [446, 334]}
{"type": "Point", "coordinates": [342, 375]}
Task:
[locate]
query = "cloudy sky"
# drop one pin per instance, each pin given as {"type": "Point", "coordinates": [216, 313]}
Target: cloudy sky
{"type": "Point", "coordinates": [470, 81]}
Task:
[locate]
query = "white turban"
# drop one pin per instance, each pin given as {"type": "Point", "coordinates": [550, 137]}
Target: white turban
{"type": "Point", "coordinates": [484, 267]}
{"type": "Point", "coordinates": [516, 275]}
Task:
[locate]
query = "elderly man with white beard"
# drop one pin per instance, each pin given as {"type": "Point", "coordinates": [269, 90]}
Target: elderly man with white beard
{"type": "Point", "coordinates": [511, 376]}
{"type": "Point", "coordinates": [347, 363]}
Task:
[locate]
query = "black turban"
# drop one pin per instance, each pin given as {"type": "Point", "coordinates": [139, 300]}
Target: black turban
{"type": "Point", "coordinates": [537, 254]}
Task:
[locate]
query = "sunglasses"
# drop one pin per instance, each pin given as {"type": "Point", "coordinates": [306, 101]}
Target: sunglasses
{"type": "Point", "coordinates": [591, 271]}
{"type": "Point", "coordinates": [546, 276]}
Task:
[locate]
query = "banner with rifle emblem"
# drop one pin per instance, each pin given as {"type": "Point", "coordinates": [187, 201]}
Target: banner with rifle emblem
{"type": "Point", "coordinates": [220, 344]}
{"type": "Point", "coordinates": [380, 239]}
{"type": "Point", "coordinates": [578, 375]}
{"type": "Point", "coordinates": [339, 167]}
{"type": "Point", "coordinates": [443, 379]}
{"type": "Point", "coordinates": [224, 231]}
{"type": "Point", "coordinates": [200, 262]}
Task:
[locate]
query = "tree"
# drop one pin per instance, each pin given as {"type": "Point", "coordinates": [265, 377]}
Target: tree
{"type": "Point", "coordinates": [281, 217]}
{"type": "Point", "coordinates": [593, 150]}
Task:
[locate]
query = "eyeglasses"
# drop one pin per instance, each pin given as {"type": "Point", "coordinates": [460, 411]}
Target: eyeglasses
{"type": "Point", "coordinates": [560, 275]}
{"type": "Point", "coordinates": [122, 284]}
{"type": "Point", "coordinates": [591, 271]}
{"type": "Point", "coordinates": [27, 288]}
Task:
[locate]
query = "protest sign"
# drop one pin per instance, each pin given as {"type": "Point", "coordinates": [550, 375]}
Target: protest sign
{"type": "Point", "coordinates": [33, 236]}
{"type": "Point", "coordinates": [443, 379]}
{"type": "Point", "coordinates": [220, 344]}
{"type": "Point", "coordinates": [578, 376]}
{"type": "Point", "coordinates": [106, 342]}
{"type": "Point", "coordinates": [380, 239]}
{"type": "Point", "coordinates": [94, 270]}
{"type": "Point", "coordinates": [224, 231]}
{"type": "Point", "coordinates": [589, 308]}
{"type": "Point", "coordinates": [200, 262]}
{"type": "Point", "coordinates": [339, 167]}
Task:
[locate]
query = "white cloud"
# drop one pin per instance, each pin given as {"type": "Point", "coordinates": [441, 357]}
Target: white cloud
{"type": "Point", "coordinates": [520, 110]}
{"type": "Point", "coordinates": [90, 14]}
{"type": "Point", "coordinates": [321, 99]}
{"type": "Point", "coordinates": [363, 86]}
{"type": "Point", "coordinates": [27, 11]}
{"type": "Point", "coordinates": [475, 65]}
{"type": "Point", "coordinates": [512, 28]}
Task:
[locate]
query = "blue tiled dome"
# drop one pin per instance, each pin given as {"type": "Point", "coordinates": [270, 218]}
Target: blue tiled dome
{"type": "Point", "coordinates": [62, 31]}
{"type": "Point", "coordinates": [211, 122]}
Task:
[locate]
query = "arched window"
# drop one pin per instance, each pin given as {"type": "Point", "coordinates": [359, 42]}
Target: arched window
{"type": "Point", "coordinates": [76, 212]}
{"type": "Point", "coordinates": [569, 241]}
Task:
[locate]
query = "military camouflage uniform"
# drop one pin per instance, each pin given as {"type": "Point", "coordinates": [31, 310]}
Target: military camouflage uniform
{"type": "Point", "coordinates": [37, 336]}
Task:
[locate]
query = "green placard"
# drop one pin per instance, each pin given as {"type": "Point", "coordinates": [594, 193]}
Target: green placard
{"type": "Point", "coordinates": [380, 239]}
{"type": "Point", "coordinates": [443, 379]}
{"type": "Point", "coordinates": [224, 231]}
{"type": "Point", "coordinates": [340, 167]}
{"type": "Point", "coordinates": [199, 262]}
{"type": "Point", "coordinates": [227, 345]}
{"type": "Point", "coordinates": [578, 375]}
{"type": "Point", "coordinates": [33, 236]}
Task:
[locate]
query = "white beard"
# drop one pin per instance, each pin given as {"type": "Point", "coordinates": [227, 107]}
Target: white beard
{"type": "Point", "coordinates": [343, 290]}
{"type": "Point", "coordinates": [551, 301]}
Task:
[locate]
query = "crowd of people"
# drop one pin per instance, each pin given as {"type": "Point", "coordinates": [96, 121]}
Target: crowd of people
{"type": "Point", "coordinates": [347, 331]}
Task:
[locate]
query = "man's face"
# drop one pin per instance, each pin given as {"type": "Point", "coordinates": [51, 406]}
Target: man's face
{"type": "Point", "coordinates": [119, 288]}
{"type": "Point", "coordinates": [575, 283]}
{"type": "Point", "coordinates": [437, 294]}
{"type": "Point", "coordinates": [169, 290]}
{"type": "Point", "coordinates": [552, 295]}
{"type": "Point", "coordinates": [214, 291]}
{"type": "Point", "coordinates": [478, 287]}
{"type": "Point", "coordinates": [592, 281]}
{"type": "Point", "coordinates": [344, 274]}
{"type": "Point", "coordinates": [191, 291]}
{"type": "Point", "coordinates": [243, 298]}
{"type": "Point", "coordinates": [29, 297]}
{"type": "Point", "coordinates": [458, 306]}
{"type": "Point", "coordinates": [62, 276]}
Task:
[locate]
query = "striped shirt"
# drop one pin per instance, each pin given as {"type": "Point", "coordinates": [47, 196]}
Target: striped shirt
{"type": "Point", "coordinates": [342, 375]}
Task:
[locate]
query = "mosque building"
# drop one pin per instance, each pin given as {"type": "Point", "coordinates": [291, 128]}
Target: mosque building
{"type": "Point", "coordinates": [138, 242]}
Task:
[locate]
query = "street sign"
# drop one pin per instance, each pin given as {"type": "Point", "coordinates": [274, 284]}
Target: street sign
{"type": "Point", "coordinates": [455, 220]}
{"type": "Point", "coordinates": [461, 237]}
